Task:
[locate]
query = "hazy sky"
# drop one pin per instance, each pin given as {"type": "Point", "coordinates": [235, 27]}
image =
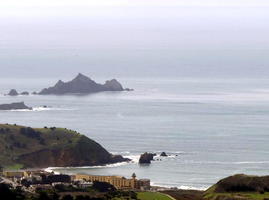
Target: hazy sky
{"type": "Point", "coordinates": [134, 38]}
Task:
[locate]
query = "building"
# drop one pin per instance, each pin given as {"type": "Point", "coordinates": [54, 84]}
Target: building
{"type": "Point", "coordinates": [56, 178]}
{"type": "Point", "coordinates": [24, 174]}
{"type": "Point", "coordinates": [39, 178]}
{"type": "Point", "coordinates": [41, 187]}
{"type": "Point", "coordinates": [118, 182]}
{"type": "Point", "coordinates": [15, 174]}
{"type": "Point", "coordinates": [84, 184]}
{"type": "Point", "coordinates": [144, 184]}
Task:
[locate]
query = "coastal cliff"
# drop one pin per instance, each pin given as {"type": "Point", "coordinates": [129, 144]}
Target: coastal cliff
{"type": "Point", "coordinates": [50, 147]}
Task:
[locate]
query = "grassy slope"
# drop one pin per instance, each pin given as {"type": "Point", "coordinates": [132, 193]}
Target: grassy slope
{"type": "Point", "coordinates": [152, 196]}
{"type": "Point", "coordinates": [14, 144]}
{"type": "Point", "coordinates": [211, 194]}
{"type": "Point", "coordinates": [237, 195]}
{"type": "Point", "coordinates": [185, 194]}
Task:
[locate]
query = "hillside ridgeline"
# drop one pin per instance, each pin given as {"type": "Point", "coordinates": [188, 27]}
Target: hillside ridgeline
{"type": "Point", "coordinates": [239, 187]}
{"type": "Point", "coordinates": [50, 147]}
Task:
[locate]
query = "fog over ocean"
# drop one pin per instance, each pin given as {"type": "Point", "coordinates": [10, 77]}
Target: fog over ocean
{"type": "Point", "coordinates": [126, 38]}
{"type": "Point", "coordinates": [199, 70]}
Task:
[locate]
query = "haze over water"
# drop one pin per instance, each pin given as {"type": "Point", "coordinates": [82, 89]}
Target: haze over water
{"type": "Point", "coordinates": [126, 38]}
{"type": "Point", "coordinates": [199, 70]}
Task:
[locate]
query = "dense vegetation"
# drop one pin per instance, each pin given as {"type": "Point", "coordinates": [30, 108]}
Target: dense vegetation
{"type": "Point", "coordinates": [241, 187]}
{"type": "Point", "coordinates": [27, 147]}
{"type": "Point", "coordinates": [62, 192]}
{"type": "Point", "coordinates": [243, 183]}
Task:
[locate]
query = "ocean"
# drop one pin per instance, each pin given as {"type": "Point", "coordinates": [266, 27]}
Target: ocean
{"type": "Point", "coordinates": [210, 128]}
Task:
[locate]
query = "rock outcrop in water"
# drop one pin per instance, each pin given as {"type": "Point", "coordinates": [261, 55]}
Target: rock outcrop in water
{"type": "Point", "coordinates": [163, 154]}
{"type": "Point", "coordinates": [13, 92]}
{"type": "Point", "coordinates": [82, 85]}
{"type": "Point", "coordinates": [47, 147]}
{"type": "Point", "coordinates": [146, 158]}
{"type": "Point", "coordinates": [25, 93]}
{"type": "Point", "coordinates": [14, 106]}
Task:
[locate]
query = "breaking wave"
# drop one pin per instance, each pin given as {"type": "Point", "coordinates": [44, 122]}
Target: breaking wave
{"type": "Point", "coordinates": [181, 187]}
{"type": "Point", "coordinates": [54, 169]}
{"type": "Point", "coordinates": [40, 109]}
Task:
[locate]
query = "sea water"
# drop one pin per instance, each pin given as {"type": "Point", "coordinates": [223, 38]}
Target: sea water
{"type": "Point", "coordinates": [210, 128]}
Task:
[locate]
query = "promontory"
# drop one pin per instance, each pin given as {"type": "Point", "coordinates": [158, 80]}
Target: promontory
{"type": "Point", "coordinates": [28, 147]}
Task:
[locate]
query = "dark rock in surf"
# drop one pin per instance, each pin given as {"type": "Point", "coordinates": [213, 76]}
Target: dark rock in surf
{"type": "Point", "coordinates": [146, 158]}
{"type": "Point", "coordinates": [163, 154]}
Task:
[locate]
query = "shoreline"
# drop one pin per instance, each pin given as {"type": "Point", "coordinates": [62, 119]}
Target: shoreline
{"type": "Point", "coordinates": [162, 188]}
{"type": "Point", "coordinates": [154, 186]}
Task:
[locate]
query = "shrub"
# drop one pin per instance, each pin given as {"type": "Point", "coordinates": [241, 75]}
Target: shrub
{"type": "Point", "coordinates": [103, 186]}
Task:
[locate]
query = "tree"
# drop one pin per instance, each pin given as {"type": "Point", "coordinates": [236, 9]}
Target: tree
{"type": "Point", "coordinates": [55, 196]}
{"type": "Point", "coordinates": [68, 197]}
{"type": "Point", "coordinates": [6, 192]}
{"type": "Point", "coordinates": [103, 186]}
{"type": "Point", "coordinates": [43, 196]}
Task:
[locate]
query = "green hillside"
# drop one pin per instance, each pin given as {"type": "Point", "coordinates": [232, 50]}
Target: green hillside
{"type": "Point", "coordinates": [152, 196]}
{"type": "Point", "coordinates": [239, 187]}
{"type": "Point", "coordinates": [44, 147]}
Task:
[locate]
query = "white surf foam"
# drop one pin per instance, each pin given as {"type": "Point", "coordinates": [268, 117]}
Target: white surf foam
{"type": "Point", "coordinates": [185, 187]}
{"type": "Point", "coordinates": [54, 169]}
{"type": "Point", "coordinates": [134, 158]}
{"type": "Point", "coordinates": [40, 109]}
{"type": "Point", "coordinates": [181, 187]}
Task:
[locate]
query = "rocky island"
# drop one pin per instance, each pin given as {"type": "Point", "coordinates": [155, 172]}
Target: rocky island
{"type": "Point", "coordinates": [13, 92]}
{"type": "Point", "coordinates": [47, 147]}
{"type": "Point", "coordinates": [15, 106]}
{"type": "Point", "coordinates": [82, 84]}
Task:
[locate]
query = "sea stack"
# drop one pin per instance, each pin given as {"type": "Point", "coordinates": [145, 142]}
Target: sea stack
{"type": "Point", "coordinates": [163, 154]}
{"type": "Point", "coordinates": [146, 158]}
{"type": "Point", "coordinates": [13, 92]}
